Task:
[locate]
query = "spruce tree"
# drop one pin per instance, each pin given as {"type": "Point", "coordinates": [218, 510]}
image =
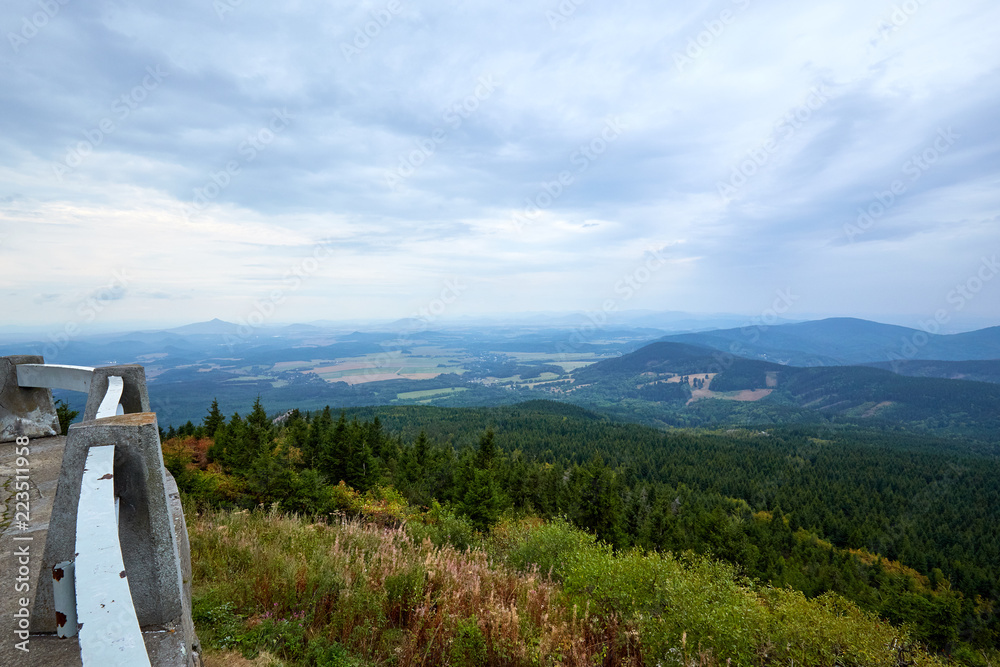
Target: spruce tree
{"type": "Point", "coordinates": [260, 432]}
{"type": "Point", "coordinates": [213, 420]}
{"type": "Point", "coordinates": [487, 450]}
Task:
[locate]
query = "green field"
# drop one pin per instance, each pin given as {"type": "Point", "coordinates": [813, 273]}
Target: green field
{"type": "Point", "coordinates": [428, 393]}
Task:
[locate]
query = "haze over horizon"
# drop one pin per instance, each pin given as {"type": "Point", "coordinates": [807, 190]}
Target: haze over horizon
{"type": "Point", "coordinates": [169, 164]}
{"type": "Point", "coordinates": [589, 322]}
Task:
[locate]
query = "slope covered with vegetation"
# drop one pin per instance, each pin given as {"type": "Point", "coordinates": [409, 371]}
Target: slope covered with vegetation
{"type": "Point", "coordinates": [396, 592]}
{"type": "Point", "coordinates": [900, 526]}
{"type": "Point", "coordinates": [658, 384]}
{"type": "Point", "coordinates": [977, 371]}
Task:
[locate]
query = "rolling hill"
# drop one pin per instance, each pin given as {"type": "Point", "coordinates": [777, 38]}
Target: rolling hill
{"type": "Point", "coordinates": [674, 382]}
{"type": "Point", "coordinates": [979, 371]}
{"type": "Point", "coordinates": [845, 341]}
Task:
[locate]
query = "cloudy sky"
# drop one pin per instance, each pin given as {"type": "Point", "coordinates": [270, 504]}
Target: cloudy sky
{"type": "Point", "coordinates": [171, 162]}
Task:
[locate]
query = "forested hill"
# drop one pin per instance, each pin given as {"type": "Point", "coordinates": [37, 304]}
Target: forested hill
{"type": "Point", "coordinates": [679, 384]}
{"type": "Point", "coordinates": [844, 341]}
{"type": "Point", "coordinates": [903, 526]}
{"type": "Point", "coordinates": [978, 371]}
{"type": "Point", "coordinates": [670, 358]}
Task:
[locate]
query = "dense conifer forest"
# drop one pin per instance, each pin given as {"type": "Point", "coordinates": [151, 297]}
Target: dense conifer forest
{"type": "Point", "coordinates": [903, 526]}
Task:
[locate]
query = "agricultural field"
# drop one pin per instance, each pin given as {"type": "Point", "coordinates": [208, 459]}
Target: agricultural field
{"type": "Point", "coordinates": [426, 395]}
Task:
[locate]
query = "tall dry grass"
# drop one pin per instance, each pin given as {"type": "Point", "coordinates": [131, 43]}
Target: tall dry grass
{"type": "Point", "coordinates": [265, 581]}
{"type": "Point", "coordinates": [285, 591]}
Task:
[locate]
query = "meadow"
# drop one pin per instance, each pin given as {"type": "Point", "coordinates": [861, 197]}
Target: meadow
{"type": "Point", "coordinates": [387, 586]}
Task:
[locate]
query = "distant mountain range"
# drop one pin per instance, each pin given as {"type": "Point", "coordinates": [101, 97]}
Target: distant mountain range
{"type": "Point", "coordinates": [679, 376]}
{"type": "Point", "coordinates": [841, 367]}
{"type": "Point", "coordinates": [214, 327]}
{"type": "Point", "coordinates": [845, 341]}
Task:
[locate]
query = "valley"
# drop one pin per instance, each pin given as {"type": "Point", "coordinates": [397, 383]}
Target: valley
{"type": "Point", "coordinates": [821, 479]}
{"type": "Point", "coordinates": [628, 374]}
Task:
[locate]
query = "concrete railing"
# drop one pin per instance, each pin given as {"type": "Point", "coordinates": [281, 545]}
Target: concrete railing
{"type": "Point", "coordinates": [116, 565]}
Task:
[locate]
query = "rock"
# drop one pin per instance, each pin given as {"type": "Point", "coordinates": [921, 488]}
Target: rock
{"type": "Point", "coordinates": [24, 412]}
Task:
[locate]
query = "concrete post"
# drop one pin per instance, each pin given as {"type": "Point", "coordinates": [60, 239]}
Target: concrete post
{"type": "Point", "coordinates": [135, 397]}
{"type": "Point", "coordinates": [28, 412]}
{"type": "Point", "coordinates": [149, 528]}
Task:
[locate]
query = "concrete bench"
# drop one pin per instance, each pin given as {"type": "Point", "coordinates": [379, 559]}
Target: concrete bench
{"type": "Point", "coordinates": [116, 528]}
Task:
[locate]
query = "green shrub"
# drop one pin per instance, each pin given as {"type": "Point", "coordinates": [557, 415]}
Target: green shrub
{"type": "Point", "coordinates": [468, 649]}
{"type": "Point", "coordinates": [326, 654]}
{"type": "Point", "coordinates": [552, 547]}
{"type": "Point", "coordinates": [404, 591]}
{"type": "Point", "coordinates": [442, 527]}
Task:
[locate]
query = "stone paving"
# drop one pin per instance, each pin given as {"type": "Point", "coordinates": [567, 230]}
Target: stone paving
{"type": "Point", "coordinates": [44, 462]}
{"type": "Point", "coordinates": [44, 459]}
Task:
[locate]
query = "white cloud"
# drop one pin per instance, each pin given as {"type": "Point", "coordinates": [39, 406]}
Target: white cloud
{"type": "Point", "coordinates": [890, 81]}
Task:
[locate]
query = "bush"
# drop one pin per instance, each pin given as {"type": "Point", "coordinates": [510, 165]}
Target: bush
{"type": "Point", "coordinates": [442, 527]}
{"type": "Point", "coordinates": [469, 646]}
{"type": "Point", "coordinates": [550, 547]}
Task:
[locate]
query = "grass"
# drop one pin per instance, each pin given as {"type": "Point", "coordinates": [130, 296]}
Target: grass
{"type": "Point", "coordinates": [429, 393]}
{"type": "Point", "coordinates": [273, 589]}
{"type": "Point", "coordinates": [359, 593]}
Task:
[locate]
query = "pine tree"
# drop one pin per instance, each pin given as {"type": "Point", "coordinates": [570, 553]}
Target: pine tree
{"type": "Point", "coordinates": [260, 432]}
{"type": "Point", "coordinates": [482, 501]}
{"type": "Point", "coordinates": [487, 450]}
{"type": "Point", "coordinates": [600, 502]}
{"type": "Point", "coordinates": [213, 420]}
{"type": "Point", "coordinates": [420, 448]}
{"type": "Point", "coordinates": [335, 451]}
{"type": "Point", "coordinates": [230, 449]}
{"type": "Point", "coordinates": [320, 430]}
{"type": "Point", "coordinates": [65, 416]}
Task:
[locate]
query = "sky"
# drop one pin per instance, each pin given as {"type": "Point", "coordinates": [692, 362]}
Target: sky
{"type": "Point", "coordinates": [290, 162]}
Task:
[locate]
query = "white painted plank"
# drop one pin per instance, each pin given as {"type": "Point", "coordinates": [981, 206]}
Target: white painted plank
{"type": "Point", "coordinates": [109, 631]}
{"type": "Point", "coordinates": [109, 406]}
